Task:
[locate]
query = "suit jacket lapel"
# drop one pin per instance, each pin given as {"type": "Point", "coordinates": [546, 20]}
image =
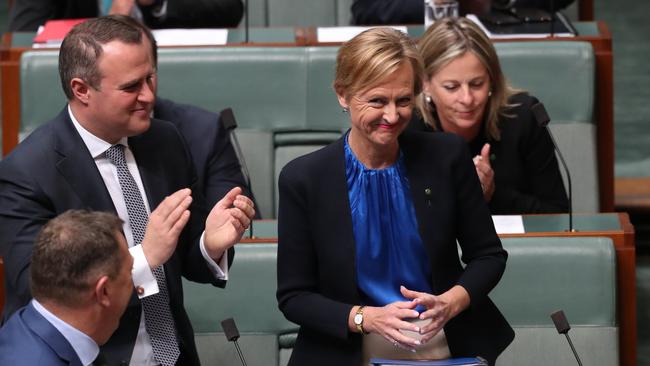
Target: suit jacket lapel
{"type": "Point", "coordinates": [77, 166]}
{"type": "Point", "coordinates": [343, 219]}
{"type": "Point", "coordinates": [149, 166]}
{"type": "Point", "coordinates": [421, 186]}
{"type": "Point", "coordinates": [50, 335]}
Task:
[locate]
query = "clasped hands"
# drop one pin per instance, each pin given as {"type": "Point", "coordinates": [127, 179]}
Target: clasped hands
{"type": "Point", "coordinates": [225, 225]}
{"type": "Point", "coordinates": [391, 321]}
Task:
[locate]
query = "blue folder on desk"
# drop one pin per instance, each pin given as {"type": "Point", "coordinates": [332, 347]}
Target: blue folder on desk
{"type": "Point", "coordinates": [475, 361]}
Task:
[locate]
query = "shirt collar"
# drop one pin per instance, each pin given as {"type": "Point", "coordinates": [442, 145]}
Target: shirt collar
{"type": "Point", "coordinates": [83, 345]}
{"type": "Point", "coordinates": [95, 145]}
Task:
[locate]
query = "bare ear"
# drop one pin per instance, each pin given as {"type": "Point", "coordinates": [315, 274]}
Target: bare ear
{"type": "Point", "coordinates": [343, 100]}
{"type": "Point", "coordinates": [80, 90]}
{"type": "Point", "coordinates": [102, 292]}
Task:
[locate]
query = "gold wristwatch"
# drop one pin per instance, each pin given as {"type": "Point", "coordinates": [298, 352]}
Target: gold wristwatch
{"type": "Point", "coordinates": [358, 320]}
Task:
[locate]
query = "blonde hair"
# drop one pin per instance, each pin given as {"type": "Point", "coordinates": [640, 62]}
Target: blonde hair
{"type": "Point", "coordinates": [372, 55]}
{"type": "Point", "coordinates": [450, 38]}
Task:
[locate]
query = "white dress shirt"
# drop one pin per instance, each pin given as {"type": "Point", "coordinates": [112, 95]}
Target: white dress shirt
{"type": "Point", "coordinates": [143, 278]}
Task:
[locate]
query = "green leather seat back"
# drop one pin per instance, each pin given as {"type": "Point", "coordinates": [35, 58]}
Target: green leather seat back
{"type": "Point", "coordinates": [257, 14]}
{"type": "Point", "coordinates": [308, 12]}
{"type": "Point", "coordinates": [249, 298]}
{"type": "Point", "coordinates": [562, 76]}
{"type": "Point", "coordinates": [41, 96]}
{"type": "Point", "coordinates": [543, 275]}
{"type": "Point", "coordinates": [344, 13]}
{"type": "Point", "coordinates": [302, 12]}
{"type": "Point", "coordinates": [265, 87]}
{"type": "Point", "coordinates": [257, 148]}
{"type": "Point", "coordinates": [323, 109]}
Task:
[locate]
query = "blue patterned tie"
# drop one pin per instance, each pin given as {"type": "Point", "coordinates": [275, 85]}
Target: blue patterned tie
{"type": "Point", "coordinates": [157, 313]}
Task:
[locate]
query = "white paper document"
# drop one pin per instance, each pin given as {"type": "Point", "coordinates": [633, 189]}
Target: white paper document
{"type": "Point", "coordinates": [344, 34]}
{"type": "Point", "coordinates": [508, 224]}
{"type": "Point", "coordinates": [191, 37]}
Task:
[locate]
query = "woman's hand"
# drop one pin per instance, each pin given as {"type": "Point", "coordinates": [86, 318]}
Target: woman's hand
{"type": "Point", "coordinates": [440, 309]}
{"type": "Point", "coordinates": [388, 320]}
{"type": "Point", "coordinates": [485, 172]}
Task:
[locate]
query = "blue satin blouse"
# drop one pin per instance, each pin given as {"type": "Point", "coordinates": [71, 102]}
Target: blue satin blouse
{"type": "Point", "coordinates": [389, 250]}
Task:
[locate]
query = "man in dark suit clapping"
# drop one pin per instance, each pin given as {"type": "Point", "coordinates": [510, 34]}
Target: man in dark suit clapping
{"type": "Point", "coordinates": [105, 152]}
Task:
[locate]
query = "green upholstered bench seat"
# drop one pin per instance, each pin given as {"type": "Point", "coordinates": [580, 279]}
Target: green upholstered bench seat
{"type": "Point", "coordinates": [265, 13]}
{"type": "Point", "coordinates": [543, 275]}
{"type": "Point", "coordinates": [562, 76]}
{"type": "Point", "coordinates": [249, 298]}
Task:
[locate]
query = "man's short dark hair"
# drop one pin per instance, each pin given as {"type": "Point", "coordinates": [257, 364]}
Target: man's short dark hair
{"type": "Point", "coordinates": [82, 47]}
{"type": "Point", "coordinates": [146, 31]}
{"type": "Point", "coordinates": [71, 251]}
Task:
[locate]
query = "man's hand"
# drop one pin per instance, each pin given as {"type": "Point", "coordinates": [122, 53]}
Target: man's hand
{"type": "Point", "coordinates": [165, 225]}
{"type": "Point", "coordinates": [227, 222]}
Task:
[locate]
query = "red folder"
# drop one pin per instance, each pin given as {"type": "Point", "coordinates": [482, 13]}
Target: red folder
{"type": "Point", "coordinates": [55, 30]}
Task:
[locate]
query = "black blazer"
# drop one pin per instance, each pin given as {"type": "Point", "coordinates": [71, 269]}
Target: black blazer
{"type": "Point", "coordinates": [526, 174]}
{"type": "Point", "coordinates": [27, 15]}
{"type": "Point", "coordinates": [214, 158]}
{"type": "Point", "coordinates": [317, 284]}
{"type": "Point", "coordinates": [51, 172]}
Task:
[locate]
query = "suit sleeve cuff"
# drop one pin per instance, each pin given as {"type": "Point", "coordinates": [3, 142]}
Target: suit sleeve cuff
{"type": "Point", "coordinates": [143, 279]}
{"type": "Point", "coordinates": [219, 270]}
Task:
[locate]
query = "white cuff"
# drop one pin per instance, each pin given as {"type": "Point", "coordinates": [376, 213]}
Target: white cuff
{"type": "Point", "coordinates": [161, 10]}
{"type": "Point", "coordinates": [143, 279]}
{"type": "Point", "coordinates": [220, 270]}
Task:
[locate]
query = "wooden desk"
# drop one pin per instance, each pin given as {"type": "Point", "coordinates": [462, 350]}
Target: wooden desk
{"type": "Point", "coordinates": [596, 33]}
{"type": "Point", "coordinates": [586, 10]}
{"type": "Point", "coordinates": [615, 226]}
{"type": "Point", "coordinates": [632, 194]}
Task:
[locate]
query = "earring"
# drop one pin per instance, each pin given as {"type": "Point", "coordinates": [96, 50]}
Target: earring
{"type": "Point", "coordinates": [490, 93]}
{"type": "Point", "coordinates": [427, 98]}
{"type": "Point", "coordinates": [345, 110]}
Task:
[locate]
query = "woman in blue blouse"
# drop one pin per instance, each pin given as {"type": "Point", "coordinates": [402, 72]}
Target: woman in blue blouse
{"type": "Point", "coordinates": [367, 258]}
